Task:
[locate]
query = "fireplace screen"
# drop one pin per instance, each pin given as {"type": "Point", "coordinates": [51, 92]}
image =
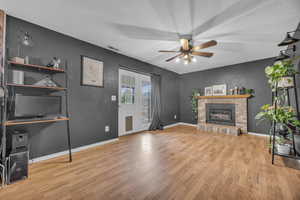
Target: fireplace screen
{"type": "Point", "coordinates": [220, 114]}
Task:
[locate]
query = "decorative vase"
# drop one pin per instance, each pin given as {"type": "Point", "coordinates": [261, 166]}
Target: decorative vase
{"type": "Point", "coordinates": [285, 82]}
{"type": "Point", "coordinates": [283, 149]}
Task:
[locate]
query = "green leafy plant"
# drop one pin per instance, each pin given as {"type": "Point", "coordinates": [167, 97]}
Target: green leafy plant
{"type": "Point", "coordinates": [249, 91]}
{"type": "Point", "coordinates": [279, 70]}
{"type": "Point", "coordinates": [194, 102]}
{"type": "Point", "coordinates": [284, 115]}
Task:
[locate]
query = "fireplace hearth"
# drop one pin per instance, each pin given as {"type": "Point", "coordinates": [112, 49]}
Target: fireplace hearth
{"type": "Point", "coordinates": [223, 114]}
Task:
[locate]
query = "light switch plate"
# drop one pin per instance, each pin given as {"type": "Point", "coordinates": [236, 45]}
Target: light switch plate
{"type": "Point", "coordinates": [113, 97]}
{"type": "Point", "coordinates": [106, 128]}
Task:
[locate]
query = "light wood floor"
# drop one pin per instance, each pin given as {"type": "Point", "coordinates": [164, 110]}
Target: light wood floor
{"type": "Point", "coordinates": [178, 163]}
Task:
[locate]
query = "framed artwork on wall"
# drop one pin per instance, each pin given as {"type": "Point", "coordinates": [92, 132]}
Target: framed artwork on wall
{"type": "Point", "coordinates": [219, 90]}
{"type": "Point", "coordinates": [208, 91]}
{"type": "Point", "coordinates": [91, 72]}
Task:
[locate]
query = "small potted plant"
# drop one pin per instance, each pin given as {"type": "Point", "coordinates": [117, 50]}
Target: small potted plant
{"type": "Point", "coordinates": [194, 102]}
{"type": "Point", "coordinates": [283, 145]}
{"type": "Point", "coordinates": [281, 74]}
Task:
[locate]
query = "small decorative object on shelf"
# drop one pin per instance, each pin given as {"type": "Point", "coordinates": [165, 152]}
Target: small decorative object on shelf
{"type": "Point", "coordinates": [236, 90]}
{"type": "Point", "coordinates": [26, 59]}
{"type": "Point", "coordinates": [249, 91]}
{"type": "Point", "coordinates": [18, 60]}
{"type": "Point", "coordinates": [18, 77]}
{"type": "Point", "coordinates": [208, 91]}
{"type": "Point", "coordinates": [55, 62]}
{"type": "Point", "coordinates": [46, 82]}
{"type": "Point", "coordinates": [219, 90]}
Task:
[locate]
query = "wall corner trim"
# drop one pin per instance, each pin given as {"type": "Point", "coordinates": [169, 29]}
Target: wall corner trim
{"type": "Point", "coordinates": [81, 148]}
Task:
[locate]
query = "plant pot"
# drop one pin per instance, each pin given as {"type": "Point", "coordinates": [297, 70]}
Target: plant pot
{"type": "Point", "coordinates": [283, 149]}
{"type": "Point", "coordinates": [297, 143]}
{"type": "Point", "coordinates": [282, 130]}
{"type": "Point", "coordinates": [286, 82]}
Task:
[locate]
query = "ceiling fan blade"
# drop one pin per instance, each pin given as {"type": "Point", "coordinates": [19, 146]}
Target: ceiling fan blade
{"type": "Point", "coordinates": [167, 51]}
{"type": "Point", "coordinates": [205, 45]}
{"type": "Point", "coordinates": [172, 58]}
{"type": "Point", "coordinates": [204, 54]}
{"type": "Point", "coordinates": [234, 11]}
{"type": "Point", "coordinates": [143, 33]}
{"type": "Point", "coordinates": [184, 43]}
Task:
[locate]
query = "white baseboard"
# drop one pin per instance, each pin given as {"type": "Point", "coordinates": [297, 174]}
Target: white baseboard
{"type": "Point", "coordinates": [172, 125]}
{"type": "Point", "coordinates": [187, 124]}
{"type": "Point", "coordinates": [54, 155]}
{"type": "Point", "coordinates": [258, 134]}
{"type": "Point", "coordinates": [180, 123]}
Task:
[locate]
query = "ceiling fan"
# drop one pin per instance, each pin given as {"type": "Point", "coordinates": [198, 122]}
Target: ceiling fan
{"type": "Point", "coordinates": [187, 50]}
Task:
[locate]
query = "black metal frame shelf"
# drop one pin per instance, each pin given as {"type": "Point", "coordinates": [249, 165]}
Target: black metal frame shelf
{"type": "Point", "coordinates": [273, 132]}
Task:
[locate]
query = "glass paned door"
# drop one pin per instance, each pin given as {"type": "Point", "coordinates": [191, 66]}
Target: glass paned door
{"type": "Point", "coordinates": [134, 102]}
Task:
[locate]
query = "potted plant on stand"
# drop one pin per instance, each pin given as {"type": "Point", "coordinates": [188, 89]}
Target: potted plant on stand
{"type": "Point", "coordinates": [281, 73]}
{"type": "Point", "coordinates": [286, 120]}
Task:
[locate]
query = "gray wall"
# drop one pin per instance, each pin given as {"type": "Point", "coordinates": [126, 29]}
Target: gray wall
{"type": "Point", "coordinates": [90, 107]}
{"type": "Point", "coordinates": [249, 75]}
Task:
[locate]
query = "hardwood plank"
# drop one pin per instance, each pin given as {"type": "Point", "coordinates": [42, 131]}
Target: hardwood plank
{"type": "Point", "coordinates": [176, 163]}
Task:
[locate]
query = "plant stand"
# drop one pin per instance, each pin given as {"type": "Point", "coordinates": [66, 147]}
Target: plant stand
{"type": "Point", "coordinates": [273, 131]}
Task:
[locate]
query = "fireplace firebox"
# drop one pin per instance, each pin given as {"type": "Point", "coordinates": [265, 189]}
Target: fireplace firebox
{"type": "Point", "coordinates": [223, 114]}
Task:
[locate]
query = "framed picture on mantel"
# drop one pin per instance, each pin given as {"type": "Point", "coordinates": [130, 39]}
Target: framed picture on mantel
{"type": "Point", "coordinates": [208, 91]}
{"type": "Point", "coordinates": [219, 90]}
{"type": "Point", "coordinates": [91, 72]}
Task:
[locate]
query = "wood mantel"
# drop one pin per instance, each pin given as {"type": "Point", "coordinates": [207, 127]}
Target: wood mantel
{"type": "Point", "coordinates": [226, 97]}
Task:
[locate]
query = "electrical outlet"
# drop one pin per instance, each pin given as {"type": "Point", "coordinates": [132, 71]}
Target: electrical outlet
{"type": "Point", "coordinates": [175, 116]}
{"type": "Point", "coordinates": [106, 129]}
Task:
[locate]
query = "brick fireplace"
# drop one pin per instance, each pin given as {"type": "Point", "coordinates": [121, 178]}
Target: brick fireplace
{"type": "Point", "coordinates": [223, 114]}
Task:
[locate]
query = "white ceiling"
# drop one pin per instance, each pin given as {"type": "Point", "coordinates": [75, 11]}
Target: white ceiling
{"type": "Point", "coordinates": [246, 30]}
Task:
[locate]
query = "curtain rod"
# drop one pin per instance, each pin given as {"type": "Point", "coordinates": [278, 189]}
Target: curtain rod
{"type": "Point", "coordinates": [137, 71]}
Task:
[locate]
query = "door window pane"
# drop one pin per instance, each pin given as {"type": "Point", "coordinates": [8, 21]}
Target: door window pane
{"type": "Point", "coordinates": [127, 89]}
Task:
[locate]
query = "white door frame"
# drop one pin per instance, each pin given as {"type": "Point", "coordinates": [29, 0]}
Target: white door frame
{"type": "Point", "coordinates": [135, 109]}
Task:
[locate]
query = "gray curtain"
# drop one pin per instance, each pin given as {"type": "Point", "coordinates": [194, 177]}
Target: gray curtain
{"type": "Point", "coordinates": [156, 104]}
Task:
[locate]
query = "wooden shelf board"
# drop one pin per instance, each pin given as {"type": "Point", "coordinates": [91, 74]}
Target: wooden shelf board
{"type": "Point", "coordinates": [12, 122]}
{"type": "Point", "coordinates": [225, 97]}
{"type": "Point", "coordinates": [36, 86]}
{"type": "Point", "coordinates": [38, 67]}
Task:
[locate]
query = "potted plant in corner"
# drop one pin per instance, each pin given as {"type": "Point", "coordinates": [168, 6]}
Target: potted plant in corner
{"type": "Point", "coordinates": [286, 118]}
{"type": "Point", "coordinates": [194, 102]}
{"type": "Point", "coordinates": [281, 73]}
{"type": "Point", "coordinates": [283, 145]}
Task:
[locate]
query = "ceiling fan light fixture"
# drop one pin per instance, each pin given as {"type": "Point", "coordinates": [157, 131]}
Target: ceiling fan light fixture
{"type": "Point", "coordinates": [186, 62]}
{"type": "Point", "coordinates": [177, 60]}
{"type": "Point", "coordinates": [288, 40]}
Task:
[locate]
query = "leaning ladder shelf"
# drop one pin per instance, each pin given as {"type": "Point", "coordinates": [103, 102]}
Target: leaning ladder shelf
{"type": "Point", "coordinates": [40, 69]}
